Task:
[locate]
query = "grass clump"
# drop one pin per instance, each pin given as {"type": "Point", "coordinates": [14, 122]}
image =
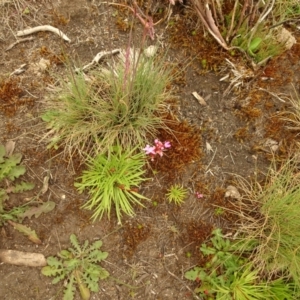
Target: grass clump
{"type": "Point", "coordinates": [113, 181]}
{"type": "Point", "coordinates": [176, 194]}
{"type": "Point", "coordinates": [78, 265]}
{"type": "Point", "coordinates": [270, 220]}
{"type": "Point", "coordinates": [122, 105]}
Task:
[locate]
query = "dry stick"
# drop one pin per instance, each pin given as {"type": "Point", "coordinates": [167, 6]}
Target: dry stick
{"type": "Point", "coordinates": [44, 28]}
{"type": "Point", "coordinates": [219, 9]}
{"type": "Point", "coordinates": [18, 41]}
{"type": "Point", "coordinates": [212, 24]}
{"type": "Point", "coordinates": [215, 13]}
{"type": "Point", "coordinates": [232, 20]}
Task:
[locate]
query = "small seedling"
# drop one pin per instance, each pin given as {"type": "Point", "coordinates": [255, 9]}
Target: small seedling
{"type": "Point", "coordinates": [219, 211]}
{"type": "Point", "coordinates": [78, 265]}
{"type": "Point", "coordinates": [176, 194]}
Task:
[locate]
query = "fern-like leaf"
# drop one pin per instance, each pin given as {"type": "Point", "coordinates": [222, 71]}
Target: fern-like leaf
{"type": "Point", "coordinates": [84, 247]}
{"type": "Point", "coordinates": [97, 256]}
{"type": "Point", "coordinates": [95, 246]}
{"type": "Point", "coordinates": [75, 243]}
{"type": "Point", "coordinates": [2, 153]}
{"type": "Point", "coordinates": [22, 187]}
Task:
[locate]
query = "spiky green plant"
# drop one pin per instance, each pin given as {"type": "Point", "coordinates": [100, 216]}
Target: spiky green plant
{"type": "Point", "coordinates": [176, 194]}
{"type": "Point", "coordinates": [113, 180]}
{"type": "Point", "coordinates": [78, 265]}
{"type": "Point", "coordinates": [123, 104]}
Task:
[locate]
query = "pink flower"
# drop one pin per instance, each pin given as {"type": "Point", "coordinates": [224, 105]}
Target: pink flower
{"type": "Point", "coordinates": [167, 144]}
{"type": "Point", "coordinates": [198, 195]}
{"type": "Point", "coordinates": [158, 148]}
{"type": "Point", "coordinates": [149, 150]}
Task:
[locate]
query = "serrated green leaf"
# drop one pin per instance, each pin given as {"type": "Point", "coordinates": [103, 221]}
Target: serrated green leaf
{"type": "Point", "coordinates": [53, 261]}
{"type": "Point", "coordinates": [207, 250]}
{"type": "Point", "coordinates": [16, 172]}
{"type": "Point", "coordinates": [103, 274]}
{"type": "Point", "coordinates": [31, 234]}
{"type": "Point", "coordinates": [37, 211]}
{"type": "Point", "coordinates": [3, 197]}
{"type": "Point", "coordinates": [22, 187]}
{"type": "Point", "coordinates": [196, 273]}
{"type": "Point", "coordinates": [95, 246]}
{"type": "Point", "coordinates": [50, 271]}
{"type": "Point", "coordinates": [58, 278]}
{"type": "Point", "coordinates": [72, 263]}
{"type": "Point", "coordinates": [97, 256]}
{"type": "Point", "coordinates": [2, 153]}
{"type": "Point", "coordinates": [75, 243]}
{"type": "Point", "coordinates": [84, 247]}
{"type": "Point", "coordinates": [65, 254]}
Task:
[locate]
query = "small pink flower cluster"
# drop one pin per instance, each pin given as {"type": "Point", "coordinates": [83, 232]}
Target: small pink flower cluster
{"type": "Point", "coordinates": [158, 148]}
{"type": "Point", "coordinates": [198, 195]}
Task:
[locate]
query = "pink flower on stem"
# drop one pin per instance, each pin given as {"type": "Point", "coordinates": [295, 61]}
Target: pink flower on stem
{"type": "Point", "coordinates": [167, 144]}
{"type": "Point", "coordinates": [198, 195]}
{"type": "Point", "coordinates": [149, 150]}
{"type": "Point", "coordinates": [158, 148]}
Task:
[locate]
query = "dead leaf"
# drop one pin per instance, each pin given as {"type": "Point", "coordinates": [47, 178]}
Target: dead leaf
{"type": "Point", "coordinates": [199, 98]}
{"type": "Point", "coordinates": [232, 191]}
{"type": "Point", "coordinates": [272, 144]}
{"type": "Point", "coordinates": [31, 234]}
{"type": "Point", "coordinates": [37, 211]}
{"type": "Point", "coordinates": [45, 185]}
{"type": "Point", "coordinates": [208, 147]}
{"type": "Point", "coordinates": [9, 148]}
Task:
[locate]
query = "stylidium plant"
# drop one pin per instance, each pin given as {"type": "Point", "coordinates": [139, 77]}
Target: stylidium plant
{"type": "Point", "coordinates": [158, 148]}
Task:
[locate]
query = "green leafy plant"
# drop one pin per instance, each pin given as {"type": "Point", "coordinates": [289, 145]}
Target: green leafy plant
{"type": "Point", "coordinates": [228, 275]}
{"type": "Point", "coordinates": [219, 211]}
{"type": "Point", "coordinates": [10, 170]}
{"type": "Point", "coordinates": [78, 265]}
{"type": "Point", "coordinates": [113, 180]}
{"type": "Point", "coordinates": [123, 104]}
{"type": "Point", "coordinates": [176, 194]}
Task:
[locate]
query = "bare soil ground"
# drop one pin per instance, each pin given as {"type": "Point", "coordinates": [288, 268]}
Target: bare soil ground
{"type": "Point", "coordinates": [147, 252]}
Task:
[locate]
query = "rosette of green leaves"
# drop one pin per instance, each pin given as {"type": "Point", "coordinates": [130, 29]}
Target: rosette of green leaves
{"type": "Point", "coordinates": [176, 194]}
{"type": "Point", "coordinates": [113, 180]}
{"type": "Point", "coordinates": [79, 265]}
